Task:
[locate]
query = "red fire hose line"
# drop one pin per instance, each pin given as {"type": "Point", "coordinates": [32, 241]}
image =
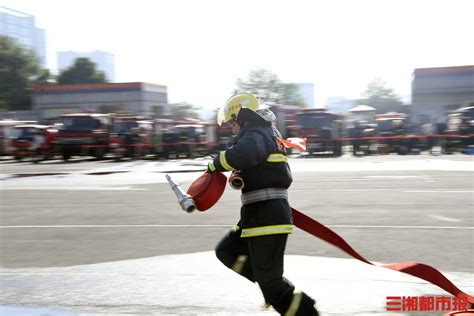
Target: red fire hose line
{"type": "Point", "coordinates": [418, 270]}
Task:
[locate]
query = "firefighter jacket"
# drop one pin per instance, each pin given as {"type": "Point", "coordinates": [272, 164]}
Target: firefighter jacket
{"type": "Point", "coordinates": [263, 165]}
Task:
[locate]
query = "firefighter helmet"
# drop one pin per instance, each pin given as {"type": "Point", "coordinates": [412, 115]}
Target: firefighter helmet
{"type": "Point", "coordinates": [245, 100]}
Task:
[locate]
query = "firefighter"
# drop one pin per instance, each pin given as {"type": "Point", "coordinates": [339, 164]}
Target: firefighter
{"type": "Point", "coordinates": [255, 247]}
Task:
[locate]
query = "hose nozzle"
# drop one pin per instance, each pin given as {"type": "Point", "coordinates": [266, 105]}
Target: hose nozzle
{"type": "Point", "coordinates": [185, 200]}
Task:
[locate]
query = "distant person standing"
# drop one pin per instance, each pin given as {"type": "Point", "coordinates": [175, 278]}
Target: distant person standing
{"type": "Point", "coordinates": [440, 130]}
{"type": "Point", "coordinates": [38, 141]}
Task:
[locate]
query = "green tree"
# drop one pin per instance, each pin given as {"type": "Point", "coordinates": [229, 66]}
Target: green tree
{"type": "Point", "coordinates": [19, 68]}
{"type": "Point", "coordinates": [381, 97]}
{"type": "Point", "coordinates": [269, 87]}
{"type": "Point", "coordinates": [82, 71]}
{"type": "Point", "coordinates": [184, 110]}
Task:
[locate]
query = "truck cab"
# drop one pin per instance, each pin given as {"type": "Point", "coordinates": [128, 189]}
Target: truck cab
{"type": "Point", "coordinates": [362, 134]}
{"type": "Point", "coordinates": [460, 129]}
{"type": "Point", "coordinates": [393, 131]}
{"type": "Point", "coordinates": [322, 130]}
{"type": "Point", "coordinates": [132, 137]}
{"type": "Point", "coordinates": [7, 132]}
{"type": "Point", "coordinates": [84, 134]}
{"type": "Point", "coordinates": [189, 140]}
{"type": "Point", "coordinates": [33, 141]}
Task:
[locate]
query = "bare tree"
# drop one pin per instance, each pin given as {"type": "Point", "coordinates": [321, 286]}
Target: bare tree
{"type": "Point", "coordinates": [269, 87]}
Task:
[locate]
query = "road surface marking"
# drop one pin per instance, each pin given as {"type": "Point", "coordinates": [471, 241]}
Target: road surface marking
{"type": "Point", "coordinates": [72, 188]}
{"type": "Point", "coordinates": [438, 191]}
{"type": "Point", "coordinates": [223, 225]}
{"type": "Point", "coordinates": [380, 189]}
{"type": "Point", "coordinates": [443, 218]}
{"type": "Point", "coordinates": [228, 203]}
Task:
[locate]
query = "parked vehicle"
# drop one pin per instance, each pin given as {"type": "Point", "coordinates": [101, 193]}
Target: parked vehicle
{"type": "Point", "coordinates": [7, 133]}
{"type": "Point", "coordinates": [395, 134]}
{"type": "Point", "coordinates": [132, 137]}
{"type": "Point", "coordinates": [34, 141]}
{"type": "Point", "coordinates": [322, 130]}
{"type": "Point", "coordinates": [460, 129]}
{"type": "Point", "coordinates": [362, 136]}
{"type": "Point", "coordinates": [189, 140]}
{"type": "Point", "coordinates": [84, 134]}
{"type": "Point", "coordinates": [285, 118]}
{"type": "Point", "coordinates": [224, 136]}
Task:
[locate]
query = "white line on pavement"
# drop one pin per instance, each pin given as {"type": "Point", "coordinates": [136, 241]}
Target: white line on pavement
{"type": "Point", "coordinates": [93, 205]}
{"type": "Point", "coordinates": [127, 188]}
{"type": "Point", "coordinates": [437, 191]}
{"type": "Point", "coordinates": [443, 218]}
{"type": "Point", "coordinates": [223, 225]}
{"type": "Point", "coordinates": [78, 273]}
{"type": "Point", "coordinates": [229, 203]}
{"type": "Point", "coordinates": [72, 188]}
{"type": "Point", "coordinates": [388, 189]}
{"type": "Point", "coordinates": [401, 226]}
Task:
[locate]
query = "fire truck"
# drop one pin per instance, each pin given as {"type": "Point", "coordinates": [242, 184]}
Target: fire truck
{"type": "Point", "coordinates": [84, 134]}
{"type": "Point", "coordinates": [322, 130]}
{"type": "Point", "coordinates": [394, 134]}
{"type": "Point", "coordinates": [33, 141]}
{"type": "Point", "coordinates": [224, 136]}
{"type": "Point", "coordinates": [132, 137]}
{"type": "Point", "coordinates": [362, 135]}
{"type": "Point", "coordinates": [460, 129]}
{"type": "Point", "coordinates": [187, 137]}
{"type": "Point", "coordinates": [7, 130]}
{"type": "Point", "coordinates": [285, 118]}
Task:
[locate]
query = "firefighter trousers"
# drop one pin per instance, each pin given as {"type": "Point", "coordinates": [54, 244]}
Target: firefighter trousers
{"type": "Point", "coordinates": [260, 259]}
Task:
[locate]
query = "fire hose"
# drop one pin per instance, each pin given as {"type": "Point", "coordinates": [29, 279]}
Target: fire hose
{"type": "Point", "coordinates": [311, 226]}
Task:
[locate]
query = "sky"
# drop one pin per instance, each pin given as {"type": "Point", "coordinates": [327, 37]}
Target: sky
{"type": "Point", "coordinates": [198, 48]}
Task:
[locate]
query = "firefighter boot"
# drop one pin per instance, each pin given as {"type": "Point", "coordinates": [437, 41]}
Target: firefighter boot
{"type": "Point", "coordinates": [302, 305]}
{"type": "Point", "coordinates": [281, 294]}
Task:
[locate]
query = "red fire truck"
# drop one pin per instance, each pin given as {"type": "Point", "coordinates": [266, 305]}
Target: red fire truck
{"type": "Point", "coordinates": [223, 135]}
{"type": "Point", "coordinates": [394, 135]}
{"type": "Point", "coordinates": [33, 141]}
{"type": "Point", "coordinates": [7, 133]}
{"type": "Point", "coordinates": [460, 129]}
{"type": "Point", "coordinates": [189, 139]}
{"type": "Point", "coordinates": [322, 130]}
{"type": "Point", "coordinates": [132, 137]}
{"type": "Point", "coordinates": [84, 134]}
{"type": "Point", "coordinates": [285, 118]}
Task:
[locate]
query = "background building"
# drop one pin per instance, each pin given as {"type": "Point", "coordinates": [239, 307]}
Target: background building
{"type": "Point", "coordinates": [21, 27]}
{"type": "Point", "coordinates": [436, 91]}
{"type": "Point", "coordinates": [104, 61]}
{"type": "Point", "coordinates": [136, 98]}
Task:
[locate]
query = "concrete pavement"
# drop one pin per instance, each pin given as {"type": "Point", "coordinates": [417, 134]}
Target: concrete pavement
{"type": "Point", "coordinates": [197, 284]}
